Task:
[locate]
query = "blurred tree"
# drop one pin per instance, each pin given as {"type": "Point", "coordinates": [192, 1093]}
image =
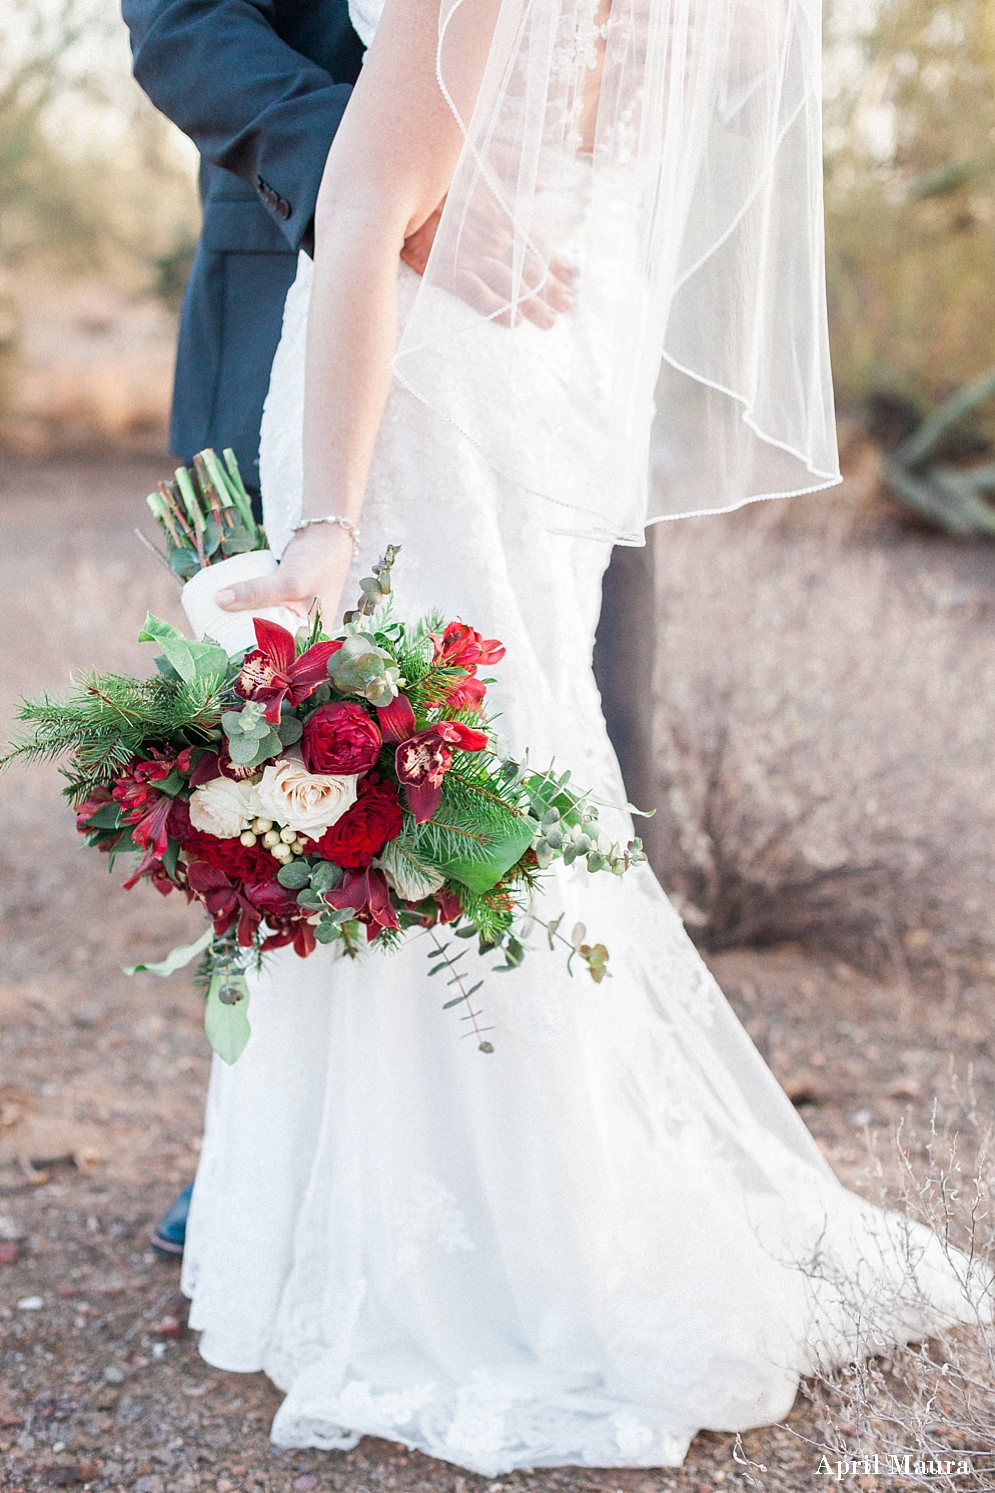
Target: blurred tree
{"type": "Point", "coordinates": [910, 195]}
{"type": "Point", "coordinates": [90, 178]}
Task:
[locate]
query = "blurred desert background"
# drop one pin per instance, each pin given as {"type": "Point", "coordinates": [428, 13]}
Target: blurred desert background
{"type": "Point", "coordinates": [813, 682]}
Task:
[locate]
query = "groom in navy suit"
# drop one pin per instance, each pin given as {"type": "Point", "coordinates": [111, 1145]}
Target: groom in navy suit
{"type": "Point", "coordinates": [259, 86]}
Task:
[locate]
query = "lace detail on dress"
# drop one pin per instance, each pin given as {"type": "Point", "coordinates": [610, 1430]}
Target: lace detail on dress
{"type": "Point", "coordinates": [431, 1216]}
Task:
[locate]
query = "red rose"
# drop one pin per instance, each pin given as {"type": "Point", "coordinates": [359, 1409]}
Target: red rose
{"type": "Point", "coordinates": [340, 738]}
{"type": "Point", "coordinates": [363, 830]}
{"type": "Point", "coordinates": [241, 862]}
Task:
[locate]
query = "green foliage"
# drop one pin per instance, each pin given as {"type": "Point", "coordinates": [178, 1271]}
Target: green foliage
{"type": "Point", "coordinates": [489, 913]}
{"type": "Point", "coordinates": [478, 827]}
{"type": "Point", "coordinates": [108, 719]}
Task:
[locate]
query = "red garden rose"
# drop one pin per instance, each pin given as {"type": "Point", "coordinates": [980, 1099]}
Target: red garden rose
{"type": "Point", "coordinates": [340, 738]}
{"type": "Point", "coordinates": [244, 862]}
{"type": "Point", "coordinates": [363, 830]}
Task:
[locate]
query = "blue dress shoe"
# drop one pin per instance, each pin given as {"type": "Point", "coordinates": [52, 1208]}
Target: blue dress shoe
{"type": "Point", "coordinates": [170, 1236]}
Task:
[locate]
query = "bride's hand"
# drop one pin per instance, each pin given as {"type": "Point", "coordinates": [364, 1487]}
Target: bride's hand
{"type": "Point", "coordinates": [314, 567]}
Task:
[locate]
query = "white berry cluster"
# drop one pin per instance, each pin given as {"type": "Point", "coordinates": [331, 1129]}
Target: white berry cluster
{"type": "Point", "coordinates": [284, 844]}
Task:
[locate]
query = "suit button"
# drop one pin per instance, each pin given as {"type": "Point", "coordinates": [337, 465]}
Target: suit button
{"type": "Point", "coordinates": [282, 208]}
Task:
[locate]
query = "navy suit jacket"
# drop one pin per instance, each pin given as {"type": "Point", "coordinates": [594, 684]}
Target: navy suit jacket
{"type": "Point", "coordinates": [260, 87]}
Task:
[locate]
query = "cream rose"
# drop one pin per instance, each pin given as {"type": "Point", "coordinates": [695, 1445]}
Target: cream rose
{"type": "Point", "coordinates": [305, 801]}
{"type": "Point", "coordinates": [223, 808]}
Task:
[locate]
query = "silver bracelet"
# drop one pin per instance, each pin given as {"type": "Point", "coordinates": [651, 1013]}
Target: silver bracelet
{"type": "Point", "coordinates": [331, 518]}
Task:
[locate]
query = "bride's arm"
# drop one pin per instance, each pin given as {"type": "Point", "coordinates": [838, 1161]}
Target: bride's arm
{"type": "Point", "coordinates": [390, 164]}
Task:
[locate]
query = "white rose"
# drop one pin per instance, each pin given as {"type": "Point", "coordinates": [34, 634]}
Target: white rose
{"type": "Point", "coordinates": [305, 801]}
{"type": "Point", "coordinates": [223, 808]}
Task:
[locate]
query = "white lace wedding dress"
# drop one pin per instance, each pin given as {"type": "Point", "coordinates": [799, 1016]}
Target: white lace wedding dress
{"type": "Point", "coordinates": [610, 1233]}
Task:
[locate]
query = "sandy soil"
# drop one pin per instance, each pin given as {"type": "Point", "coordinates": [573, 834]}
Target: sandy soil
{"type": "Point", "coordinates": [102, 1081]}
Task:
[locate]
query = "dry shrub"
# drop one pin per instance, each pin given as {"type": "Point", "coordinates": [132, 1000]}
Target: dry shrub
{"type": "Point", "coordinates": [825, 705]}
{"type": "Point", "coordinates": [927, 1401]}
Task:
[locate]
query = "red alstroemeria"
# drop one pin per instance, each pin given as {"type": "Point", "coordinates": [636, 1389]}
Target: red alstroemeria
{"type": "Point", "coordinates": [423, 760]}
{"type": "Point", "coordinates": [462, 647]}
{"type": "Point", "coordinates": [143, 807]}
{"type": "Point", "coordinates": [273, 673]}
{"type": "Point", "coordinates": [99, 799]}
{"type": "Point", "coordinates": [466, 694]}
{"type": "Point", "coordinates": [368, 894]}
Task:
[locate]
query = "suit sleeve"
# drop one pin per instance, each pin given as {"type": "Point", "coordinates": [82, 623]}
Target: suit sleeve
{"type": "Point", "coordinates": [248, 101]}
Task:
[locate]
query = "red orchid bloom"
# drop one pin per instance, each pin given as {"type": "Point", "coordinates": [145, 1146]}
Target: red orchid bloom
{"type": "Point", "coordinates": [368, 894]}
{"type": "Point", "coordinates": [423, 758]}
{"type": "Point", "coordinates": [273, 672]}
{"type": "Point", "coordinates": [247, 903]}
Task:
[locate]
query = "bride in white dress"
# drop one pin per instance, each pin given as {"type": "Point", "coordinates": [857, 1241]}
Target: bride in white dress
{"type": "Point", "coordinates": [615, 1230]}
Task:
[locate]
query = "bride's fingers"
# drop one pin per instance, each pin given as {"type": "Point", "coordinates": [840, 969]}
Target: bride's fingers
{"type": "Point", "coordinates": [270, 591]}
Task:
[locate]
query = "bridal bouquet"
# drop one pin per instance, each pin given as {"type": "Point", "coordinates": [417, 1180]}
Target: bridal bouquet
{"type": "Point", "coordinates": [342, 790]}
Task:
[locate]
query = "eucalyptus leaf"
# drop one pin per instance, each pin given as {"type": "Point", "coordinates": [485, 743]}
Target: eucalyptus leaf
{"type": "Point", "coordinates": [289, 730]}
{"type": "Point", "coordinates": [227, 1025]}
{"type": "Point", "coordinates": [325, 875]}
{"type": "Point", "coordinates": [242, 750]}
{"type": "Point", "coordinates": [327, 931]}
{"type": "Point", "coordinates": [311, 900]}
{"type": "Point", "coordinates": [294, 875]}
{"type": "Point", "coordinates": [179, 958]}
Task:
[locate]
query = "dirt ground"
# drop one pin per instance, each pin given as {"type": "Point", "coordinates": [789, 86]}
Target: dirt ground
{"type": "Point", "coordinates": [102, 1083]}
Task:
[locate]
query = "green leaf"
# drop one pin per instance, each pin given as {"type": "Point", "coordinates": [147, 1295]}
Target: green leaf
{"type": "Point", "coordinates": [242, 749]}
{"type": "Point", "coordinates": [504, 847]}
{"type": "Point", "coordinates": [171, 857]}
{"type": "Point", "coordinates": [109, 817]}
{"type": "Point", "coordinates": [183, 561]}
{"type": "Point", "coordinates": [325, 875]}
{"type": "Point", "coordinates": [212, 536]}
{"type": "Point", "coordinates": [248, 752]}
{"type": "Point", "coordinates": [327, 931]}
{"type": "Point", "coordinates": [294, 875]}
{"type": "Point", "coordinates": [165, 667]}
{"type": "Point", "coordinates": [290, 730]}
{"type": "Point", "coordinates": [227, 1026]}
{"type": "Point", "coordinates": [179, 958]}
{"type": "Point", "coordinates": [309, 899]}
{"type": "Point", "coordinates": [172, 785]}
{"type": "Point", "coordinates": [200, 662]}
{"type": "Point", "coordinates": [237, 540]}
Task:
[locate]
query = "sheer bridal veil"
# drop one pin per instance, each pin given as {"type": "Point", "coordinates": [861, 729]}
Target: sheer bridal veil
{"type": "Point", "coordinates": [670, 152]}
